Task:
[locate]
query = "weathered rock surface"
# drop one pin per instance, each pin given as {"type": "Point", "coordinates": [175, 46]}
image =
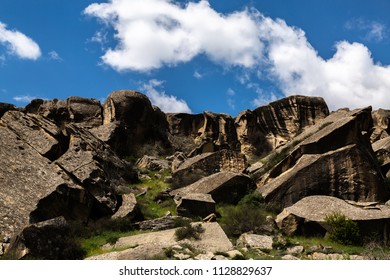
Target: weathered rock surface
{"type": "Point", "coordinates": [49, 240]}
{"type": "Point", "coordinates": [308, 215]}
{"type": "Point", "coordinates": [271, 126]}
{"type": "Point", "coordinates": [159, 224]}
{"type": "Point", "coordinates": [84, 111]}
{"type": "Point", "coordinates": [128, 209]}
{"type": "Point", "coordinates": [202, 133]}
{"type": "Point", "coordinates": [381, 125]}
{"type": "Point", "coordinates": [5, 107]}
{"type": "Point", "coordinates": [335, 159]}
{"type": "Point", "coordinates": [195, 205]}
{"type": "Point", "coordinates": [347, 173]}
{"type": "Point", "coordinates": [207, 164]}
{"type": "Point", "coordinates": [132, 126]}
{"type": "Point", "coordinates": [152, 163]}
{"type": "Point", "coordinates": [255, 241]}
{"type": "Point", "coordinates": [149, 245]}
{"type": "Point", "coordinates": [225, 186]}
{"type": "Point", "coordinates": [382, 152]}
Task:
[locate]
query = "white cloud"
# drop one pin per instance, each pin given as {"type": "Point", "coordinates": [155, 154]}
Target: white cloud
{"type": "Point", "coordinates": [167, 103]}
{"type": "Point", "coordinates": [55, 56]}
{"type": "Point", "coordinates": [198, 75]}
{"type": "Point", "coordinates": [156, 33]}
{"type": "Point", "coordinates": [19, 44]}
{"type": "Point", "coordinates": [374, 31]}
{"type": "Point", "coordinates": [24, 98]}
{"type": "Point", "coordinates": [230, 92]}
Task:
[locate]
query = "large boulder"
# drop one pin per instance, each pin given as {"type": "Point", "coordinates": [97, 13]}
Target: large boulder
{"type": "Point", "coordinates": [202, 133]}
{"type": "Point", "coordinates": [224, 186]}
{"type": "Point", "coordinates": [151, 245]}
{"type": "Point", "coordinates": [195, 205]}
{"type": "Point", "coordinates": [269, 127]}
{"type": "Point", "coordinates": [207, 164]}
{"type": "Point", "coordinates": [382, 152]}
{"type": "Point", "coordinates": [335, 158]}
{"type": "Point", "coordinates": [84, 111]}
{"type": "Point", "coordinates": [4, 107]}
{"type": "Point", "coordinates": [307, 216]}
{"type": "Point", "coordinates": [50, 240]}
{"type": "Point", "coordinates": [132, 126]}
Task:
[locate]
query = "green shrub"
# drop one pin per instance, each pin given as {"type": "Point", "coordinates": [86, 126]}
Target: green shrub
{"type": "Point", "coordinates": [342, 230]}
{"type": "Point", "coordinates": [189, 231]}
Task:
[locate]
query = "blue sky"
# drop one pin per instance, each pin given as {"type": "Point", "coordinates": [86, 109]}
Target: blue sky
{"type": "Point", "coordinates": [192, 56]}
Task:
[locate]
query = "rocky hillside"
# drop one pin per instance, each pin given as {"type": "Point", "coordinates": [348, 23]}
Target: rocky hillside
{"type": "Point", "coordinates": [76, 163]}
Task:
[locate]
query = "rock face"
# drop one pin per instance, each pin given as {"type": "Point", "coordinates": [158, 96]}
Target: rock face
{"type": "Point", "coordinates": [308, 215]}
{"type": "Point", "coordinates": [381, 124]}
{"type": "Point", "coordinates": [382, 152]}
{"type": "Point", "coordinates": [202, 133]}
{"type": "Point", "coordinates": [336, 159]}
{"type": "Point", "coordinates": [49, 240]}
{"type": "Point", "coordinates": [130, 122]}
{"type": "Point", "coordinates": [48, 171]}
{"type": "Point", "coordinates": [4, 107]}
{"type": "Point", "coordinates": [85, 111]}
{"type": "Point", "coordinates": [207, 164]}
{"type": "Point", "coordinates": [225, 187]}
{"type": "Point", "coordinates": [271, 126]}
{"type": "Point", "coordinates": [195, 205]}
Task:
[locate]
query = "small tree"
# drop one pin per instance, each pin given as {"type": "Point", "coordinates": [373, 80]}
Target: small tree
{"type": "Point", "coordinates": [342, 230]}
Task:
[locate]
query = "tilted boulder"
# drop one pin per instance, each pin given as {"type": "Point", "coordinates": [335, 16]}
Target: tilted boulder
{"type": "Point", "coordinates": [202, 133]}
{"type": "Point", "coordinates": [129, 208]}
{"type": "Point", "coordinates": [224, 186]}
{"type": "Point", "coordinates": [269, 127]}
{"type": "Point", "coordinates": [335, 159]}
{"type": "Point", "coordinates": [307, 216]}
{"type": "Point", "coordinates": [152, 163]}
{"type": "Point", "coordinates": [207, 164]}
{"type": "Point", "coordinates": [382, 152]}
{"type": "Point", "coordinates": [84, 111]}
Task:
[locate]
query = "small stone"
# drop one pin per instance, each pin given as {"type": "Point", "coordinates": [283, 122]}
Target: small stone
{"type": "Point", "coordinates": [177, 247]}
{"type": "Point", "coordinates": [219, 258]}
{"type": "Point", "coordinates": [234, 253]}
{"type": "Point", "coordinates": [289, 258]}
{"type": "Point", "coordinates": [205, 257]}
{"type": "Point", "coordinates": [296, 250]}
{"type": "Point", "coordinates": [181, 256]}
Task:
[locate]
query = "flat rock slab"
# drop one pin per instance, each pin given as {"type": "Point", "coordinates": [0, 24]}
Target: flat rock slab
{"type": "Point", "coordinates": [149, 245]}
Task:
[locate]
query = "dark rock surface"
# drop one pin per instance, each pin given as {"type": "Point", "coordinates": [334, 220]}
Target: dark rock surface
{"type": "Point", "coordinates": [195, 205]}
{"type": "Point", "coordinates": [225, 187]}
{"type": "Point", "coordinates": [207, 164]}
{"type": "Point", "coordinates": [4, 107]}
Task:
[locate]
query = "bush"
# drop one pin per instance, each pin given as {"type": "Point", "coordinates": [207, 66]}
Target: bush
{"type": "Point", "coordinates": [342, 230]}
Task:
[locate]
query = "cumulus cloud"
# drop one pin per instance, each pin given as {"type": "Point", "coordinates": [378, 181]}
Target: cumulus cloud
{"type": "Point", "coordinates": [19, 44]}
{"type": "Point", "coordinates": [154, 33]}
{"type": "Point", "coordinates": [167, 103]}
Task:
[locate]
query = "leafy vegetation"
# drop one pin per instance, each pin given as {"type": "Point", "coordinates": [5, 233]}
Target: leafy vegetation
{"type": "Point", "coordinates": [189, 231]}
{"type": "Point", "coordinates": [342, 230]}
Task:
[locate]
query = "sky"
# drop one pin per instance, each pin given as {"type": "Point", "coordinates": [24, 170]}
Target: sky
{"type": "Point", "coordinates": [193, 56]}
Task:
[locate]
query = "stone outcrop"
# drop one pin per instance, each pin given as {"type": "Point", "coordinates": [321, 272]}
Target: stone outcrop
{"type": "Point", "coordinates": [382, 152]}
{"type": "Point", "coordinates": [152, 163]}
{"type": "Point", "coordinates": [224, 187]}
{"type": "Point", "coordinates": [132, 126]}
{"type": "Point", "coordinates": [334, 159]}
{"type": "Point", "coordinates": [50, 240]}
{"type": "Point", "coordinates": [129, 209]}
{"type": "Point", "coordinates": [381, 124]}
{"type": "Point", "coordinates": [255, 241]}
{"type": "Point", "coordinates": [195, 205]}
{"type": "Point", "coordinates": [207, 164]}
{"type": "Point", "coordinates": [202, 133]}
{"type": "Point", "coordinates": [307, 216]}
{"type": "Point", "coordinates": [269, 127]}
{"type": "Point", "coordinates": [48, 171]}
{"type": "Point", "coordinates": [4, 107]}
{"type": "Point", "coordinates": [84, 111]}
{"type": "Point", "coordinates": [149, 245]}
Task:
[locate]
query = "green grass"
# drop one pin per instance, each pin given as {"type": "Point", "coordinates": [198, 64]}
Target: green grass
{"type": "Point", "coordinates": [150, 208]}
